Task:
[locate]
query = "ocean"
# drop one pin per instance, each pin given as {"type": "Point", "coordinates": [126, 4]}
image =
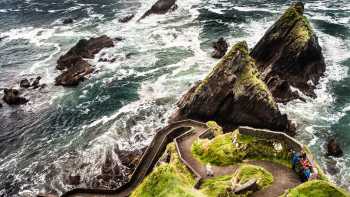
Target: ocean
{"type": "Point", "coordinates": [69, 130]}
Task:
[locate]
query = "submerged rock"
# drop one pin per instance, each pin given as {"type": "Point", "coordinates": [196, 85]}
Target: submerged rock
{"type": "Point", "coordinates": [75, 74]}
{"type": "Point", "coordinates": [74, 64]}
{"type": "Point", "coordinates": [160, 7]}
{"type": "Point", "coordinates": [220, 48]}
{"type": "Point", "coordinates": [127, 18]}
{"type": "Point", "coordinates": [67, 21]}
{"type": "Point", "coordinates": [333, 148]}
{"type": "Point", "coordinates": [290, 54]}
{"type": "Point", "coordinates": [12, 97]}
{"type": "Point", "coordinates": [24, 83]}
{"type": "Point", "coordinates": [233, 94]}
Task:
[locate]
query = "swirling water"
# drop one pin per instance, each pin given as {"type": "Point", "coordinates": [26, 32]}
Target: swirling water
{"type": "Point", "coordinates": [68, 130]}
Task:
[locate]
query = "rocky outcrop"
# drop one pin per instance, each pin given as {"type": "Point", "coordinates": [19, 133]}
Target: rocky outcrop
{"type": "Point", "coordinates": [75, 74]}
{"type": "Point", "coordinates": [220, 48]}
{"type": "Point", "coordinates": [76, 68]}
{"type": "Point", "coordinates": [289, 55]}
{"type": "Point", "coordinates": [12, 97]}
{"type": "Point", "coordinates": [233, 94]}
{"type": "Point", "coordinates": [333, 149]}
{"type": "Point", "coordinates": [126, 18]}
{"type": "Point", "coordinates": [84, 49]}
{"type": "Point", "coordinates": [24, 83]}
{"type": "Point", "coordinates": [160, 7]}
{"type": "Point", "coordinates": [34, 83]}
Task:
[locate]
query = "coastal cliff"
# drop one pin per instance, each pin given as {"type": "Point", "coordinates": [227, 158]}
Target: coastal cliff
{"type": "Point", "coordinates": [233, 94]}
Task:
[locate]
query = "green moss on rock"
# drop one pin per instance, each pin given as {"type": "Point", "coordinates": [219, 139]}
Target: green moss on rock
{"type": "Point", "coordinates": [220, 186]}
{"type": "Point", "coordinates": [316, 188]}
{"type": "Point", "coordinates": [213, 126]}
{"type": "Point", "coordinates": [222, 152]}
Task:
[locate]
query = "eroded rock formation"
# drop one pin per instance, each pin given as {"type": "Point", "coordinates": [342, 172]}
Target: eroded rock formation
{"type": "Point", "coordinates": [76, 68]}
{"type": "Point", "coordinates": [126, 18]}
{"type": "Point", "coordinates": [289, 55]}
{"type": "Point", "coordinates": [233, 94]}
{"type": "Point", "coordinates": [160, 7]}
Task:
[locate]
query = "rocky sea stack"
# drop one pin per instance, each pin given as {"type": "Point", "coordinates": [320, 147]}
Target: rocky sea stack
{"type": "Point", "coordinates": [233, 94]}
{"type": "Point", "coordinates": [289, 55]}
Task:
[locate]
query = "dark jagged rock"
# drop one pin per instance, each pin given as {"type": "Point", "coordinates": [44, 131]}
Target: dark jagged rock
{"type": "Point", "coordinates": [220, 48]}
{"type": "Point", "coordinates": [12, 97]}
{"type": "Point", "coordinates": [290, 53]}
{"type": "Point", "coordinates": [127, 18]}
{"type": "Point", "coordinates": [110, 167]}
{"type": "Point", "coordinates": [77, 68]}
{"type": "Point", "coordinates": [24, 83]}
{"type": "Point", "coordinates": [160, 7]}
{"type": "Point", "coordinates": [333, 149]}
{"type": "Point", "coordinates": [67, 21]}
{"type": "Point", "coordinates": [0, 105]}
{"type": "Point", "coordinates": [84, 49]}
{"type": "Point", "coordinates": [36, 83]}
{"type": "Point", "coordinates": [73, 179]}
{"type": "Point", "coordinates": [130, 159]}
{"type": "Point", "coordinates": [75, 74]}
{"type": "Point", "coordinates": [233, 94]}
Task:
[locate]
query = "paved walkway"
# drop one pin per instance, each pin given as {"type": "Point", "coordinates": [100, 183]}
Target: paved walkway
{"type": "Point", "coordinates": [284, 177]}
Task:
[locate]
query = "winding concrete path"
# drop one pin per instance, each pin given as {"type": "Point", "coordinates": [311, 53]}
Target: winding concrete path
{"type": "Point", "coordinates": [284, 177]}
{"type": "Point", "coordinates": [184, 133]}
{"type": "Point", "coordinates": [151, 156]}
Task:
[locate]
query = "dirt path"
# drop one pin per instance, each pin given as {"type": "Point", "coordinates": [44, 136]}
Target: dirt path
{"type": "Point", "coordinates": [284, 177]}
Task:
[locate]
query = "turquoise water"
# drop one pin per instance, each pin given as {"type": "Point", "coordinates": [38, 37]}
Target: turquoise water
{"type": "Point", "coordinates": [68, 130]}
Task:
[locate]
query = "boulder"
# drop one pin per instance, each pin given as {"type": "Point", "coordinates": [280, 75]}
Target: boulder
{"type": "Point", "coordinates": [67, 21]}
{"type": "Point", "coordinates": [233, 94]}
{"type": "Point", "coordinates": [73, 179]}
{"type": "Point", "coordinates": [333, 148]}
{"type": "Point", "coordinates": [36, 83]}
{"type": "Point", "coordinates": [74, 74]}
{"type": "Point", "coordinates": [289, 52]}
{"type": "Point", "coordinates": [220, 48]}
{"type": "Point", "coordinates": [160, 7]}
{"type": "Point", "coordinates": [12, 97]}
{"type": "Point", "coordinates": [126, 18]}
{"type": "Point", "coordinates": [24, 83]}
{"type": "Point", "coordinates": [83, 49]}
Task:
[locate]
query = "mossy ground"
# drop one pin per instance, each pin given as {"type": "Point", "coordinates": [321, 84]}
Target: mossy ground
{"type": "Point", "coordinates": [172, 179]}
{"type": "Point", "coordinates": [219, 186]}
{"type": "Point", "coordinates": [316, 188]}
{"type": "Point", "coordinates": [220, 150]}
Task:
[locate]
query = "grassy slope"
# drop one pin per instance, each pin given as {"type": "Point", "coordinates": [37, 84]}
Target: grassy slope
{"type": "Point", "coordinates": [171, 179]}
{"type": "Point", "coordinates": [316, 188]}
{"type": "Point", "coordinates": [220, 151]}
{"type": "Point", "coordinates": [218, 186]}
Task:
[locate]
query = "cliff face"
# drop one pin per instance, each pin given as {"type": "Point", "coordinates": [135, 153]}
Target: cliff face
{"type": "Point", "coordinates": [289, 55]}
{"type": "Point", "coordinates": [233, 94]}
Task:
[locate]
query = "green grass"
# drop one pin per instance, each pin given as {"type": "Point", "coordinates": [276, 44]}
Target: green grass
{"type": "Point", "coordinates": [171, 179]}
{"type": "Point", "coordinates": [217, 130]}
{"type": "Point", "coordinates": [220, 150]}
{"type": "Point", "coordinates": [316, 188]}
{"type": "Point", "coordinates": [219, 186]}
